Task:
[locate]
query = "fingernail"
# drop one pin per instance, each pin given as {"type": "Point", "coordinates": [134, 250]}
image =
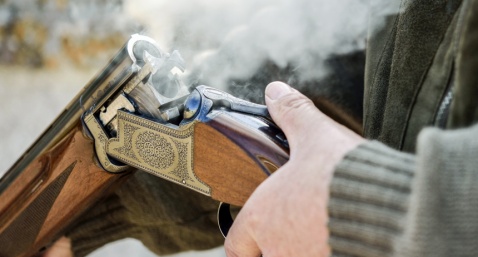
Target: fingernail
{"type": "Point", "coordinates": [276, 90]}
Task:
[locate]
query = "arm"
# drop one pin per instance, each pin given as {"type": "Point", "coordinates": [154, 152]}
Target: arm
{"type": "Point", "coordinates": [404, 205]}
{"type": "Point", "coordinates": [442, 218]}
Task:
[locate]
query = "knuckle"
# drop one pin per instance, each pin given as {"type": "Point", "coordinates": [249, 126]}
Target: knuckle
{"type": "Point", "coordinates": [296, 101]}
{"type": "Point", "coordinates": [230, 248]}
{"type": "Point", "coordinates": [293, 103]}
{"type": "Point", "coordinates": [291, 108]}
{"type": "Point", "coordinates": [252, 218]}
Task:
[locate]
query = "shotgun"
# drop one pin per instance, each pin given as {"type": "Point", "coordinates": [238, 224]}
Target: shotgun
{"type": "Point", "coordinates": [136, 115]}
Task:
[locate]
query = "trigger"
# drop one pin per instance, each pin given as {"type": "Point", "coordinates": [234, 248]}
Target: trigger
{"type": "Point", "coordinates": [224, 218]}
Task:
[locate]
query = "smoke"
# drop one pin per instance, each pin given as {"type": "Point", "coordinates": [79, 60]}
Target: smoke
{"type": "Point", "coordinates": [232, 39]}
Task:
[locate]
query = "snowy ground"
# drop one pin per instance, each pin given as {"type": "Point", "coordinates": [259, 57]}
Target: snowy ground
{"type": "Point", "coordinates": [29, 101]}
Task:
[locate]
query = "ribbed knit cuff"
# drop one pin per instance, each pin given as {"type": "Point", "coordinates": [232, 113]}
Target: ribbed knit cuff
{"type": "Point", "coordinates": [368, 200]}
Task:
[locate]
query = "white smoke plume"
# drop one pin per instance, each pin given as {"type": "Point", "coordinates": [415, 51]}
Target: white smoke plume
{"type": "Point", "coordinates": [233, 38]}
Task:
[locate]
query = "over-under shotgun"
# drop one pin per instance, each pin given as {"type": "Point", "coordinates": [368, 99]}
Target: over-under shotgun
{"type": "Point", "coordinates": [135, 115]}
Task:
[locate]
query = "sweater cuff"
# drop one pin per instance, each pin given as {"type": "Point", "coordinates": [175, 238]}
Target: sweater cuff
{"type": "Point", "coordinates": [368, 200]}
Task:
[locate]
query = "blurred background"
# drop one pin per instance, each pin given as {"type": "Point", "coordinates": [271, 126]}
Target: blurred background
{"type": "Point", "coordinates": [50, 49]}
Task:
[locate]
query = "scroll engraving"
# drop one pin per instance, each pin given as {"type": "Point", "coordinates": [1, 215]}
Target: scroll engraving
{"type": "Point", "coordinates": [156, 148]}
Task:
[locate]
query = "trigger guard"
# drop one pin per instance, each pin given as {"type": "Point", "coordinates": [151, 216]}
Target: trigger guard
{"type": "Point", "coordinates": [224, 218]}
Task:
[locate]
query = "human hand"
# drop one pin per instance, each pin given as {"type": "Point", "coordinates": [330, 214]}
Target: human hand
{"type": "Point", "coordinates": [287, 214]}
{"type": "Point", "coordinates": [61, 248]}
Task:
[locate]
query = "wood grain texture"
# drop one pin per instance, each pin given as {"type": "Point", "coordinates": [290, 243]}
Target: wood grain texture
{"type": "Point", "coordinates": [68, 168]}
{"type": "Point", "coordinates": [233, 158]}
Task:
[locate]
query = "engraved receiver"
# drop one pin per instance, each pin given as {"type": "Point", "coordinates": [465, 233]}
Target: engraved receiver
{"type": "Point", "coordinates": [206, 140]}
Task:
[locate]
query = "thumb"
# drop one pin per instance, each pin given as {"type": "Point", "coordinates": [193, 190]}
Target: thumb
{"type": "Point", "coordinates": [293, 112]}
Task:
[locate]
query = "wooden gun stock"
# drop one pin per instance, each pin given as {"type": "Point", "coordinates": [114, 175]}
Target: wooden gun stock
{"type": "Point", "coordinates": [233, 157]}
{"type": "Point", "coordinates": [51, 193]}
